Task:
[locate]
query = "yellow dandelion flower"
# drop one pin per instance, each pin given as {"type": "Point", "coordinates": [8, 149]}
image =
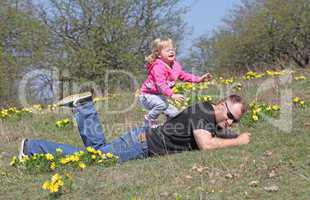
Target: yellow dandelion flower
{"type": "Point", "coordinates": [24, 159]}
{"type": "Point", "coordinates": [188, 86]}
{"type": "Point", "coordinates": [90, 150]}
{"type": "Point", "coordinates": [255, 117]}
{"type": "Point", "coordinates": [75, 158]}
{"type": "Point", "coordinates": [175, 90]}
{"type": "Point", "coordinates": [37, 107]}
{"type": "Point", "coordinates": [59, 124]}
{"type": "Point", "coordinates": [53, 166]}
{"type": "Point", "coordinates": [275, 107]}
{"type": "Point", "coordinates": [60, 182]}
{"type": "Point", "coordinates": [63, 160]}
{"type": "Point", "coordinates": [103, 156]}
{"type": "Point", "coordinates": [14, 161]}
{"type": "Point", "coordinates": [54, 188]}
{"type": "Point", "coordinates": [109, 155]}
{"type": "Point", "coordinates": [296, 99]}
{"type": "Point", "coordinates": [55, 178]}
{"type": "Point", "coordinates": [46, 185]}
{"type": "Point", "coordinates": [207, 98]}
{"type": "Point", "coordinates": [82, 165]}
{"type": "Point", "coordinates": [49, 156]}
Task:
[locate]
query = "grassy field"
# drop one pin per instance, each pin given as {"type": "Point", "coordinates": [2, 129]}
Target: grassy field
{"type": "Point", "coordinates": [275, 165]}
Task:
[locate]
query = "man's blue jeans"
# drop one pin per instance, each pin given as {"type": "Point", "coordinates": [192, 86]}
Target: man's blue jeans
{"type": "Point", "coordinates": [127, 147]}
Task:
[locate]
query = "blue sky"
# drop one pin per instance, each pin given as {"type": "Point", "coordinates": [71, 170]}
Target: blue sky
{"type": "Point", "coordinates": [204, 16]}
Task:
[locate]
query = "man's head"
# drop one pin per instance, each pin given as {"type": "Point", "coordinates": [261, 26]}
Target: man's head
{"type": "Point", "coordinates": [229, 110]}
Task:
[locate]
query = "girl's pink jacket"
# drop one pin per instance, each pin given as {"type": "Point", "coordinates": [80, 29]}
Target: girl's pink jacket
{"type": "Point", "coordinates": [161, 78]}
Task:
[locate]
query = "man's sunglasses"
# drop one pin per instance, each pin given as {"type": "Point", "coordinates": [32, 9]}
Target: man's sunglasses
{"type": "Point", "coordinates": [230, 115]}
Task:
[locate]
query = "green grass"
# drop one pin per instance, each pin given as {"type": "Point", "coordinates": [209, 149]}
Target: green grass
{"type": "Point", "coordinates": [273, 158]}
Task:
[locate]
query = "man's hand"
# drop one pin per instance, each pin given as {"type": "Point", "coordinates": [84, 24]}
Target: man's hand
{"type": "Point", "coordinates": [244, 138]}
{"type": "Point", "coordinates": [206, 77]}
{"type": "Point", "coordinates": [177, 97]}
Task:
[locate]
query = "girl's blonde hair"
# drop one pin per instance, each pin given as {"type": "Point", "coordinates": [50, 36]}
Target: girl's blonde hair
{"type": "Point", "coordinates": [157, 45]}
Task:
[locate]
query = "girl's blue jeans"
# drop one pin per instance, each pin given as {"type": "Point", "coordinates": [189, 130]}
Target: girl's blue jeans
{"type": "Point", "coordinates": [127, 147]}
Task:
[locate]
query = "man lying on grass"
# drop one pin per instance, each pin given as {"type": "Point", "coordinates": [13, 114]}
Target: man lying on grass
{"type": "Point", "coordinates": [200, 126]}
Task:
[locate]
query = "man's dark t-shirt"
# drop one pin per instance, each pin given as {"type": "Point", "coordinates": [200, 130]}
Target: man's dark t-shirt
{"type": "Point", "coordinates": [176, 134]}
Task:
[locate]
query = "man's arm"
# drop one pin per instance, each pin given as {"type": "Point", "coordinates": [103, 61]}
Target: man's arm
{"type": "Point", "coordinates": [205, 141]}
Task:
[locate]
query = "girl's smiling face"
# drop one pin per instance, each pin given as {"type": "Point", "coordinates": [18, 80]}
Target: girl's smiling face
{"type": "Point", "coordinates": [167, 54]}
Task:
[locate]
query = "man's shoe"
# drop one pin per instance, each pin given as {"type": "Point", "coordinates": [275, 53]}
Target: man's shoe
{"type": "Point", "coordinates": [73, 100]}
{"type": "Point", "coordinates": [23, 149]}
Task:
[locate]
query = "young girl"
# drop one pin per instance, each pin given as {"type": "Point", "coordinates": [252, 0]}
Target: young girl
{"type": "Point", "coordinates": [163, 70]}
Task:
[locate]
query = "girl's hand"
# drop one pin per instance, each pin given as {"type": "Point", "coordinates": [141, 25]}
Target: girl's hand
{"type": "Point", "coordinates": [177, 97]}
{"type": "Point", "coordinates": [206, 77]}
